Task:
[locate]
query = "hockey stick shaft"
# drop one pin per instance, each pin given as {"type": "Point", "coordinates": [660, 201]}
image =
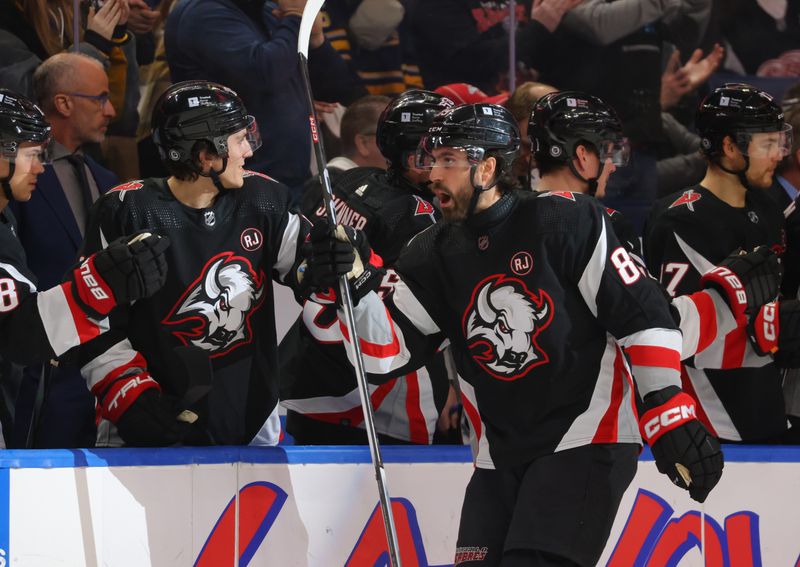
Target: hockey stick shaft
{"type": "Point", "coordinates": [310, 12]}
{"type": "Point", "coordinates": [512, 46]}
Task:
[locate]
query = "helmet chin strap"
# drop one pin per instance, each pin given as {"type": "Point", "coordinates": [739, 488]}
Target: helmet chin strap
{"type": "Point", "coordinates": [592, 181]}
{"type": "Point", "coordinates": [214, 175]}
{"type": "Point", "coordinates": [741, 174]}
{"type": "Point", "coordinates": [477, 189]}
{"type": "Point", "coordinates": [5, 182]}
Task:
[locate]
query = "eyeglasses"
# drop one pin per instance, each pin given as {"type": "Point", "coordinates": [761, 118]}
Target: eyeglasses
{"type": "Point", "coordinates": [102, 98]}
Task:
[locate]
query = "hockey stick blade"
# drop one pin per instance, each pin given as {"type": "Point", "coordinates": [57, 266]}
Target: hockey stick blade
{"type": "Point", "coordinates": [310, 12]}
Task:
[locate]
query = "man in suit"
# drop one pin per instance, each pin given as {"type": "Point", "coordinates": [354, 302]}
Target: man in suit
{"type": "Point", "coordinates": [72, 90]}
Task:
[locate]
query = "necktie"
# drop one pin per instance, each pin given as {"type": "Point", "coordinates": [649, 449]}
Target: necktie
{"type": "Point", "coordinates": [78, 163]}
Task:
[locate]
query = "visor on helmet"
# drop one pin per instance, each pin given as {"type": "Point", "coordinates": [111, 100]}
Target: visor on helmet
{"type": "Point", "coordinates": [251, 134]}
{"type": "Point", "coordinates": [766, 144]}
{"type": "Point", "coordinates": [462, 155]}
{"type": "Point", "coordinates": [618, 151]}
{"type": "Point", "coordinates": [15, 153]}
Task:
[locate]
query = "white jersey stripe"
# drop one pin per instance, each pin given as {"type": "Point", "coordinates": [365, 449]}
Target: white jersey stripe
{"type": "Point", "coordinates": [57, 320]}
{"type": "Point", "coordinates": [480, 445]}
{"type": "Point", "coordinates": [712, 406]}
{"type": "Point", "coordinates": [287, 251]}
{"type": "Point", "coordinates": [17, 275]}
{"type": "Point", "coordinates": [119, 355]}
{"type": "Point", "coordinates": [589, 283]}
{"type": "Point", "coordinates": [700, 263]}
{"type": "Point", "coordinates": [410, 306]}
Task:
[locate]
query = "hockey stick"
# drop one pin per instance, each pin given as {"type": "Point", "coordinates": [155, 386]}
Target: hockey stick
{"type": "Point", "coordinates": [310, 12]}
{"type": "Point", "coordinates": [512, 46]}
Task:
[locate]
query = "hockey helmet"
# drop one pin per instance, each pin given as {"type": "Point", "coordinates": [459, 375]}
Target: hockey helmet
{"type": "Point", "coordinates": [560, 121]}
{"type": "Point", "coordinates": [192, 111]}
{"type": "Point", "coordinates": [22, 121]}
{"type": "Point", "coordinates": [478, 129]}
{"type": "Point", "coordinates": [739, 111]}
{"type": "Point", "coordinates": [405, 120]}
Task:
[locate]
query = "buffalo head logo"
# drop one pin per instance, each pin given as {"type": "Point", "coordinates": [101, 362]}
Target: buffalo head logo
{"type": "Point", "coordinates": [501, 324]}
{"type": "Point", "coordinates": [214, 312]}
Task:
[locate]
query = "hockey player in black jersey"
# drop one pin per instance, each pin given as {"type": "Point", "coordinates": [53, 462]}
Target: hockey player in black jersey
{"type": "Point", "coordinates": [232, 233]}
{"type": "Point", "coordinates": [390, 207]}
{"type": "Point", "coordinates": [538, 299]}
{"type": "Point", "coordinates": [744, 136]}
{"type": "Point", "coordinates": [37, 326]}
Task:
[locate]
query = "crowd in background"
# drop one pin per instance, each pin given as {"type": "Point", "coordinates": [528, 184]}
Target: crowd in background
{"type": "Point", "coordinates": [97, 72]}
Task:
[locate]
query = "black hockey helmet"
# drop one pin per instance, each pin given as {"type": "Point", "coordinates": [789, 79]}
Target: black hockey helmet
{"type": "Point", "coordinates": [479, 129]}
{"type": "Point", "coordinates": [405, 120]}
{"type": "Point", "coordinates": [738, 110]}
{"type": "Point", "coordinates": [20, 121]}
{"type": "Point", "coordinates": [561, 121]}
{"type": "Point", "coordinates": [192, 111]}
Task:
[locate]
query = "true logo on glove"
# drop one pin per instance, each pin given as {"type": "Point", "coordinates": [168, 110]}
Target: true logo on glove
{"type": "Point", "coordinates": [91, 282]}
{"type": "Point", "coordinates": [670, 417]}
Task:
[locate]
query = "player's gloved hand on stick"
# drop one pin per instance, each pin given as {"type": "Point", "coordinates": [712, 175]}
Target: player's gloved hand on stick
{"type": "Point", "coordinates": [746, 280]}
{"type": "Point", "coordinates": [683, 448]}
{"type": "Point", "coordinates": [128, 269]}
{"type": "Point", "coordinates": [149, 421]}
{"type": "Point", "coordinates": [345, 252]}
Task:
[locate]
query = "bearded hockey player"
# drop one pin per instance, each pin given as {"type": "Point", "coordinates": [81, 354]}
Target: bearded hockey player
{"type": "Point", "coordinates": [37, 326]}
{"type": "Point", "coordinates": [538, 299]}
{"type": "Point", "coordinates": [744, 136]}
{"type": "Point", "coordinates": [232, 233]}
{"type": "Point", "coordinates": [390, 207]}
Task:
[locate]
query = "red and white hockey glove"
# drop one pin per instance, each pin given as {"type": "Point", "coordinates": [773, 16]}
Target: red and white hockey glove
{"type": "Point", "coordinates": [682, 447]}
{"type": "Point", "coordinates": [764, 329]}
{"type": "Point", "coordinates": [776, 330]}
{"type": "Point", "coordinates": [128, 269]}
{"type": "Point", "coordinates": [746, 280]}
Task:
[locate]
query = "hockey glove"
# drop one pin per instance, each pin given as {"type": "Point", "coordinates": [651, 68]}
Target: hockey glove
{"type": "Point", "coordinates": [346, 253]}
{"type": "Point", "coordinates": [126, 270]}
{"type": "Point", "coordinates": [150, 422]}
{"type": "Point", "coordinates": [776, 330]}
{"type": "Point", "coordinates": [746, 280]}
{"type": "Point", "coordinates": [683, 448]}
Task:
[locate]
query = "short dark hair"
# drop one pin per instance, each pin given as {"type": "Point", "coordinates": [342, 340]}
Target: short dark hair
{"type": "Point", "coordinates": [546, 166]}
{"type": "Point", "coordinates": [524, 97]}
{"type": "Point", "coordinates": [361, 117]}
{"type": "Point", "coordinates": [181, 170]}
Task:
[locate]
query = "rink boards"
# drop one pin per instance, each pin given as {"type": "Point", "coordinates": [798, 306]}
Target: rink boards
{"type": "Point", "coordinates": [317, 507]}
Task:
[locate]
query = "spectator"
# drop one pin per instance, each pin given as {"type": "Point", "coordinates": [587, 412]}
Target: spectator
{"type": "Point", "coordinates": [467, 41]}
{"type": "Point", "coordinates": [253, 49]}
{"type": "Point", "coordinates": [785, 191]}
{"type": "Point", "coordinates": [73, 91]}
{"type": "Point", "coordinates": [520, 104]}
{"type": "Point", "coordinates": [358, 128]}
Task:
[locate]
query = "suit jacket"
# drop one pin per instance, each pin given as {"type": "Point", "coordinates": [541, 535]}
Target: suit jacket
{"type": "Point", "coordinates": [48, 229]}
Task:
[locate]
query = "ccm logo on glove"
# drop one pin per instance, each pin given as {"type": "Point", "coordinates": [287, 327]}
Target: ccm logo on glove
{"type": "Point", "coordinates": [658, 421]}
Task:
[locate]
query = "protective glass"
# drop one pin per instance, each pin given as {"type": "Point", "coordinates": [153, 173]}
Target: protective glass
{"type": "Point", "coordinates": [618, 151]}
{"type": "Point", "coordinates": [766, 144]}
{"type": "Point", "coordinates": [449, 156]}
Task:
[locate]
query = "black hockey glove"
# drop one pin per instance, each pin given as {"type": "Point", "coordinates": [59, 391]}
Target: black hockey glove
{"type": "Point", "coordinates": [347, 252]}
{"type": "Point", "coordinates": [746, 280]}
{"type": "Point", "coordinates": [683, 448]}
{"type": "Point", "coordinates": [128, 269]}
{"type": "Point", "coordinates": [150, 422]}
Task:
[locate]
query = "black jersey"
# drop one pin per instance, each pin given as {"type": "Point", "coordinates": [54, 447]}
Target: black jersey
{"type": "Point", "coordinates": [687, 234]}
{"type": "Point", "coordinates": [35, 326]}
{"type": "Point", "coordinates": [218, 297]}
{"type": "Point", "coordinates": [319, 381]}
{"type": "Point", "coordinates": [537, 297]}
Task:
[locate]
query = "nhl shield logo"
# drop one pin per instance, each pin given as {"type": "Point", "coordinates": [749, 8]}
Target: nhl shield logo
{"type": "Point", "coordinates": [209, 218]}
{"type": "Point", "coordinates": [483, 242]}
